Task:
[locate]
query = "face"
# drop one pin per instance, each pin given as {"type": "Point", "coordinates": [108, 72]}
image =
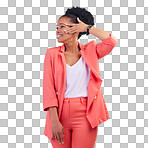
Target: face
{"type": "Point", "coordinates": [60, 27]}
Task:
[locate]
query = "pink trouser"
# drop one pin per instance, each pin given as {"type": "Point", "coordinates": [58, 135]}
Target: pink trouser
{"type": "Point", "coordinates": [78, 132]}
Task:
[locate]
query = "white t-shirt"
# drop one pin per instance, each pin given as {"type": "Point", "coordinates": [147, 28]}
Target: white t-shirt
{"type": "Point", "coordinates": [77, 78]}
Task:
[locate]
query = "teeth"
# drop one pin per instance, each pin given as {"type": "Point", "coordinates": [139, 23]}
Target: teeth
{"type": "Point", "coordinates": [59, 35]}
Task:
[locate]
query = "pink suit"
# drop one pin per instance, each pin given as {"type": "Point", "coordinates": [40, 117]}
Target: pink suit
{"type": "Point", "coordinates": [54, 80]}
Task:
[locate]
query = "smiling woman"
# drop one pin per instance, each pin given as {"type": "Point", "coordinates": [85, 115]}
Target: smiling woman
{"type": "Point", "coordinates": [70, 27]}
{"type": "Point", "coordinates": [72, 82]}
{"type": "Point", "coordinates": [76, 16]}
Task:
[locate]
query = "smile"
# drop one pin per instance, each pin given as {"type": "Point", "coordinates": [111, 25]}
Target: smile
{"type": "Point", "coordinates": [58, 36]}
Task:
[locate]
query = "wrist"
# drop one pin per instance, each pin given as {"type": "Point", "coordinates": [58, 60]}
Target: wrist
{"type": "Point", "coordinates": [91, 29]}
{"type": "Point", "coordinates": [86, 28]}
{"type": "Point", "coordinates": [55, 121]}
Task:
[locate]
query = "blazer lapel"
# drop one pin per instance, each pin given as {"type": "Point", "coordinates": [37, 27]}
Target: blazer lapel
{"type": "Point", "coordinates": [95, 79]}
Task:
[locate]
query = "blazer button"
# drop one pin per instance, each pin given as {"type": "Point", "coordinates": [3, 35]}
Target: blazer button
{"type": "Point", "coordinates": [95, 97]}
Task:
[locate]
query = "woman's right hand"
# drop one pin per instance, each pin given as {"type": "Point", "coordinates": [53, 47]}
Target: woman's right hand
{"type": "Point", "coordinates": [58, 132]}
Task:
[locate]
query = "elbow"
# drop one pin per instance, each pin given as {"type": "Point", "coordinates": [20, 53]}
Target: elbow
{"type": "Point", "coordinates": [114, 40]}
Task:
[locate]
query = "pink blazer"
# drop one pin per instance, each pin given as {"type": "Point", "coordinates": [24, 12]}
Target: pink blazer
{"type": "Point", "coordinates": [54, 81]}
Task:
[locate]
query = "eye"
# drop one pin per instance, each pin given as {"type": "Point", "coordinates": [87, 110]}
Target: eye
{"type": "Point", "coordinates": [60, 26]}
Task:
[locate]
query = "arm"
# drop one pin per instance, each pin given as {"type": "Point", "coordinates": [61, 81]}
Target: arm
{"type": "Point", "coordinates": [100, 34]}
{"type": "Point", "coordinates": [53, 114]}
{"type": "Point", "coordinates": [108, 41]}
{"type": "Point", "coordinates": [49, 93]}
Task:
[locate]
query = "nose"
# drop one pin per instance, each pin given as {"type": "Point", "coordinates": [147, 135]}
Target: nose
{"type": "Point", "coordinates": [57, 31]}
{"type": "Point", "coordinates": [60, 32]}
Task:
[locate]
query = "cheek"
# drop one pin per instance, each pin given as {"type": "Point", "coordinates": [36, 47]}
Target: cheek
{"type": "Point", "coordinates": [65, 33]}
{"type": "Point", "coordinates": [68, 35]}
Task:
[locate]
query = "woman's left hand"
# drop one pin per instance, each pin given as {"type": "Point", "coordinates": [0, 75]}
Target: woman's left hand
{"type": "Point", "coordinates": [81, 27]}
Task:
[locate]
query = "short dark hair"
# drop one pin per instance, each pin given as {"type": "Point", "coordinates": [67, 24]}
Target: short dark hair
{"type": "Point", "coordinates": [84, 15]}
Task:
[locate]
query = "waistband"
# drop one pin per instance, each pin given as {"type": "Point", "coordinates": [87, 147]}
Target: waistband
{"type": "Point", "coordinates": [76, 99]}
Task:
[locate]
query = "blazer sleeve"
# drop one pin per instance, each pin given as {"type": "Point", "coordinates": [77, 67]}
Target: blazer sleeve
{"type": "Point", "coordinates": [106, 46]}
{"type": "Point", "coordinates": [49, 93]}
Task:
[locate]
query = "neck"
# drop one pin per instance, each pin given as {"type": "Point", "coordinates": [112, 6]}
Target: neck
{"type": "Point", "coordinates": [72, 47]}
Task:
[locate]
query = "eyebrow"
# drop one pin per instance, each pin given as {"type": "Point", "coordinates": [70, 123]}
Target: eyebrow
{"type": "Point", "coordinates": [60, 24]}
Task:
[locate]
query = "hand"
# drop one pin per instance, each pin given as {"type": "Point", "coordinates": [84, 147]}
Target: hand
{"type": "Point", "coordinates": [58, 132]}
{"type": "Point", "coordinates": [81, 27]}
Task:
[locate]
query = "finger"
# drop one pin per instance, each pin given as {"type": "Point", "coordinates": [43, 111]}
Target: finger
{"type": "Point", "coordinates": [63, 131]}
{"type": "Point", "coordinates": [53, 136]}
{"type": "Point", "coordinates": [66, 31]}
{"type": "Point", "coordinates": [57, 138]}
{"type": "Point", "coordinates": [62, 139]}
{"type": "Point", "coordinates": [71, 30]}
{"type": "Point", "coordinates": [74, 27]}
{"type": "Point", "coordinates": [70, 25]}
{"type": "Point", "coordinates": [78, 19]}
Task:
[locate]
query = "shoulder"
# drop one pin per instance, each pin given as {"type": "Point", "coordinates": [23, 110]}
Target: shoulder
{"type": "Point", "coordinates": [90, 44]}
{"type": "Point", "coordinates": [93, 42]}
{"type": "Point", "coordinates": [52, 50]}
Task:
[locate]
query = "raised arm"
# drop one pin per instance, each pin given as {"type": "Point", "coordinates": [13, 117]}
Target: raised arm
{"type": "Point", "coordinates": [108, 41]}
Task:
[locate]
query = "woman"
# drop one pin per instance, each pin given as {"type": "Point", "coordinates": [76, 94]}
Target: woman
{"type": "Point", "coordinates": [72, 94]}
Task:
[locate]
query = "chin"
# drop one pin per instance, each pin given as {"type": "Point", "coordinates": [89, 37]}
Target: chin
{"type": "Point", "coordinates": [60, 41]}
{"type": "Point", "coordinates": [63, 40]}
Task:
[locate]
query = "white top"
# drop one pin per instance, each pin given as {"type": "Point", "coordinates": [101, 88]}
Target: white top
{"type": "Point", "coordinates": [77, 77]}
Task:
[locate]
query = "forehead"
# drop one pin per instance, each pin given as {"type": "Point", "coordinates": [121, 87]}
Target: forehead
{"type": "Point", "coordinates": [60, 24]}
{"type": "Point", "coordinates": [63, 21]}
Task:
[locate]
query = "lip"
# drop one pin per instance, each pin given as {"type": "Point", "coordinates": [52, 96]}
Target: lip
{"type": "Point", "coordinates": [59, 36]}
